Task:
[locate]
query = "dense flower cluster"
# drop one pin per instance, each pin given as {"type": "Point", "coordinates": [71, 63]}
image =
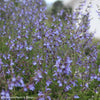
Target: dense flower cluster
{"type": "Point", "coordinates": [49, 61]}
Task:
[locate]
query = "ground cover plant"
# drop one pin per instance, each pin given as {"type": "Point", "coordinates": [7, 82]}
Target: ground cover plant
{"type": "Point", "coordinates": [46, 61]}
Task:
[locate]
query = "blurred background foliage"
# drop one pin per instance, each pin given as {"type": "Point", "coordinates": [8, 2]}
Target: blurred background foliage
{"type": "Point", "coordinates": [57, 6]}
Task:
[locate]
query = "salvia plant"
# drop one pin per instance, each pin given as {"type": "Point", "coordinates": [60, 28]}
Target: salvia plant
{"type": "Point", "coordinates": [46, 58]}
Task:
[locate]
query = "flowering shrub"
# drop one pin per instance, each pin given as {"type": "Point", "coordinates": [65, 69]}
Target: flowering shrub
{"type": "Point", "coordinates": [46, 61]}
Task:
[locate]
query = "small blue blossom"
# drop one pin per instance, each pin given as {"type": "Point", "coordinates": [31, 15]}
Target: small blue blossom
{"type": "Point", "coordinates": [25, 89]}
{"type": "Point", "coordinates": [48, 82]}
{"type": "Point", "coordinates": [63, 66]}
{"type": "Point", "coordinates": [41, 98]}
{"type": "Point", "coordinates": [98, 78]}
{"type": "Point", "coordinates": [3, 93]}
{"type": "Point", "coordinates": [1, 61]}
{"type": "Point", "coordinates": [13, 79]}
{"type": "Point", "coordinates": [87, 85]}
{"type": "Point", "coordinates": [99, 69]}
{"type": "Point", "coordinates": [76, 97]}
{"type": "Point", "coordinates": [11, 63]}
{"type": "Point", "coordinates": [31, 87]}
{"type": "Point", "coordinates": [34, 63]}
{"type": "Point", "coordinates": [60, 84]}
{"type": "Point", "coordinates": [40, 93]}
{"type": "Point", "coordinates": [48, 97]}
{"type": "Point", "coordinates": [68, 88]}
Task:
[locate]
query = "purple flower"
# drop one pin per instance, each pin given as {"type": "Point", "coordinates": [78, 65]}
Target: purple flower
{"type": "Point", "coordinates": [13, 79]}
{"type": "Point", "coordinates": [98, 78]}
{"type": "Point", "coordinates": [60, 83]}
{"type": "Point", "coordinates": [67, 88]}
{"type": "Point", "coordinates": [48, 82]}
{"type": "Point", "coordinates": [63, 66]}
{"type": "Point", "coordinates": [68, 60]}
{"type": "Point", "coordinates": [58, 62]}
{"type": "Point", "coordinates": [20, 79]}
{"type": "Point", "coordinates": [30, 48]}
{"type": "Point", "coordinates": [7, 94]}
{"type": "Point", "coordinates": [31, 87]}
{"type": "Point", "coordinates": [87, 85]}
{"type": "Point", "coordinates": [40, 93]}
{"type": "Point", "coordinates": [3, 93]}
{"type": "Point", "coordinates": [99, 69]}
{"type": "Point", "coordinates": [25, 89]}
{"type": "Point", "coordinates": [0, 64]}
{"type": "Point", "coordinates": [11, 85]}
{"type": "Point", "coordinates": [11, 63]}
{"type": "Point", "coordinates": [34, 63]}
{"type": "Point", "coordinates": [76, 97]}
{"type": "Point", "coordinates": [48, 97]}
{"type": "Point", "coordinates": [1, 61]}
